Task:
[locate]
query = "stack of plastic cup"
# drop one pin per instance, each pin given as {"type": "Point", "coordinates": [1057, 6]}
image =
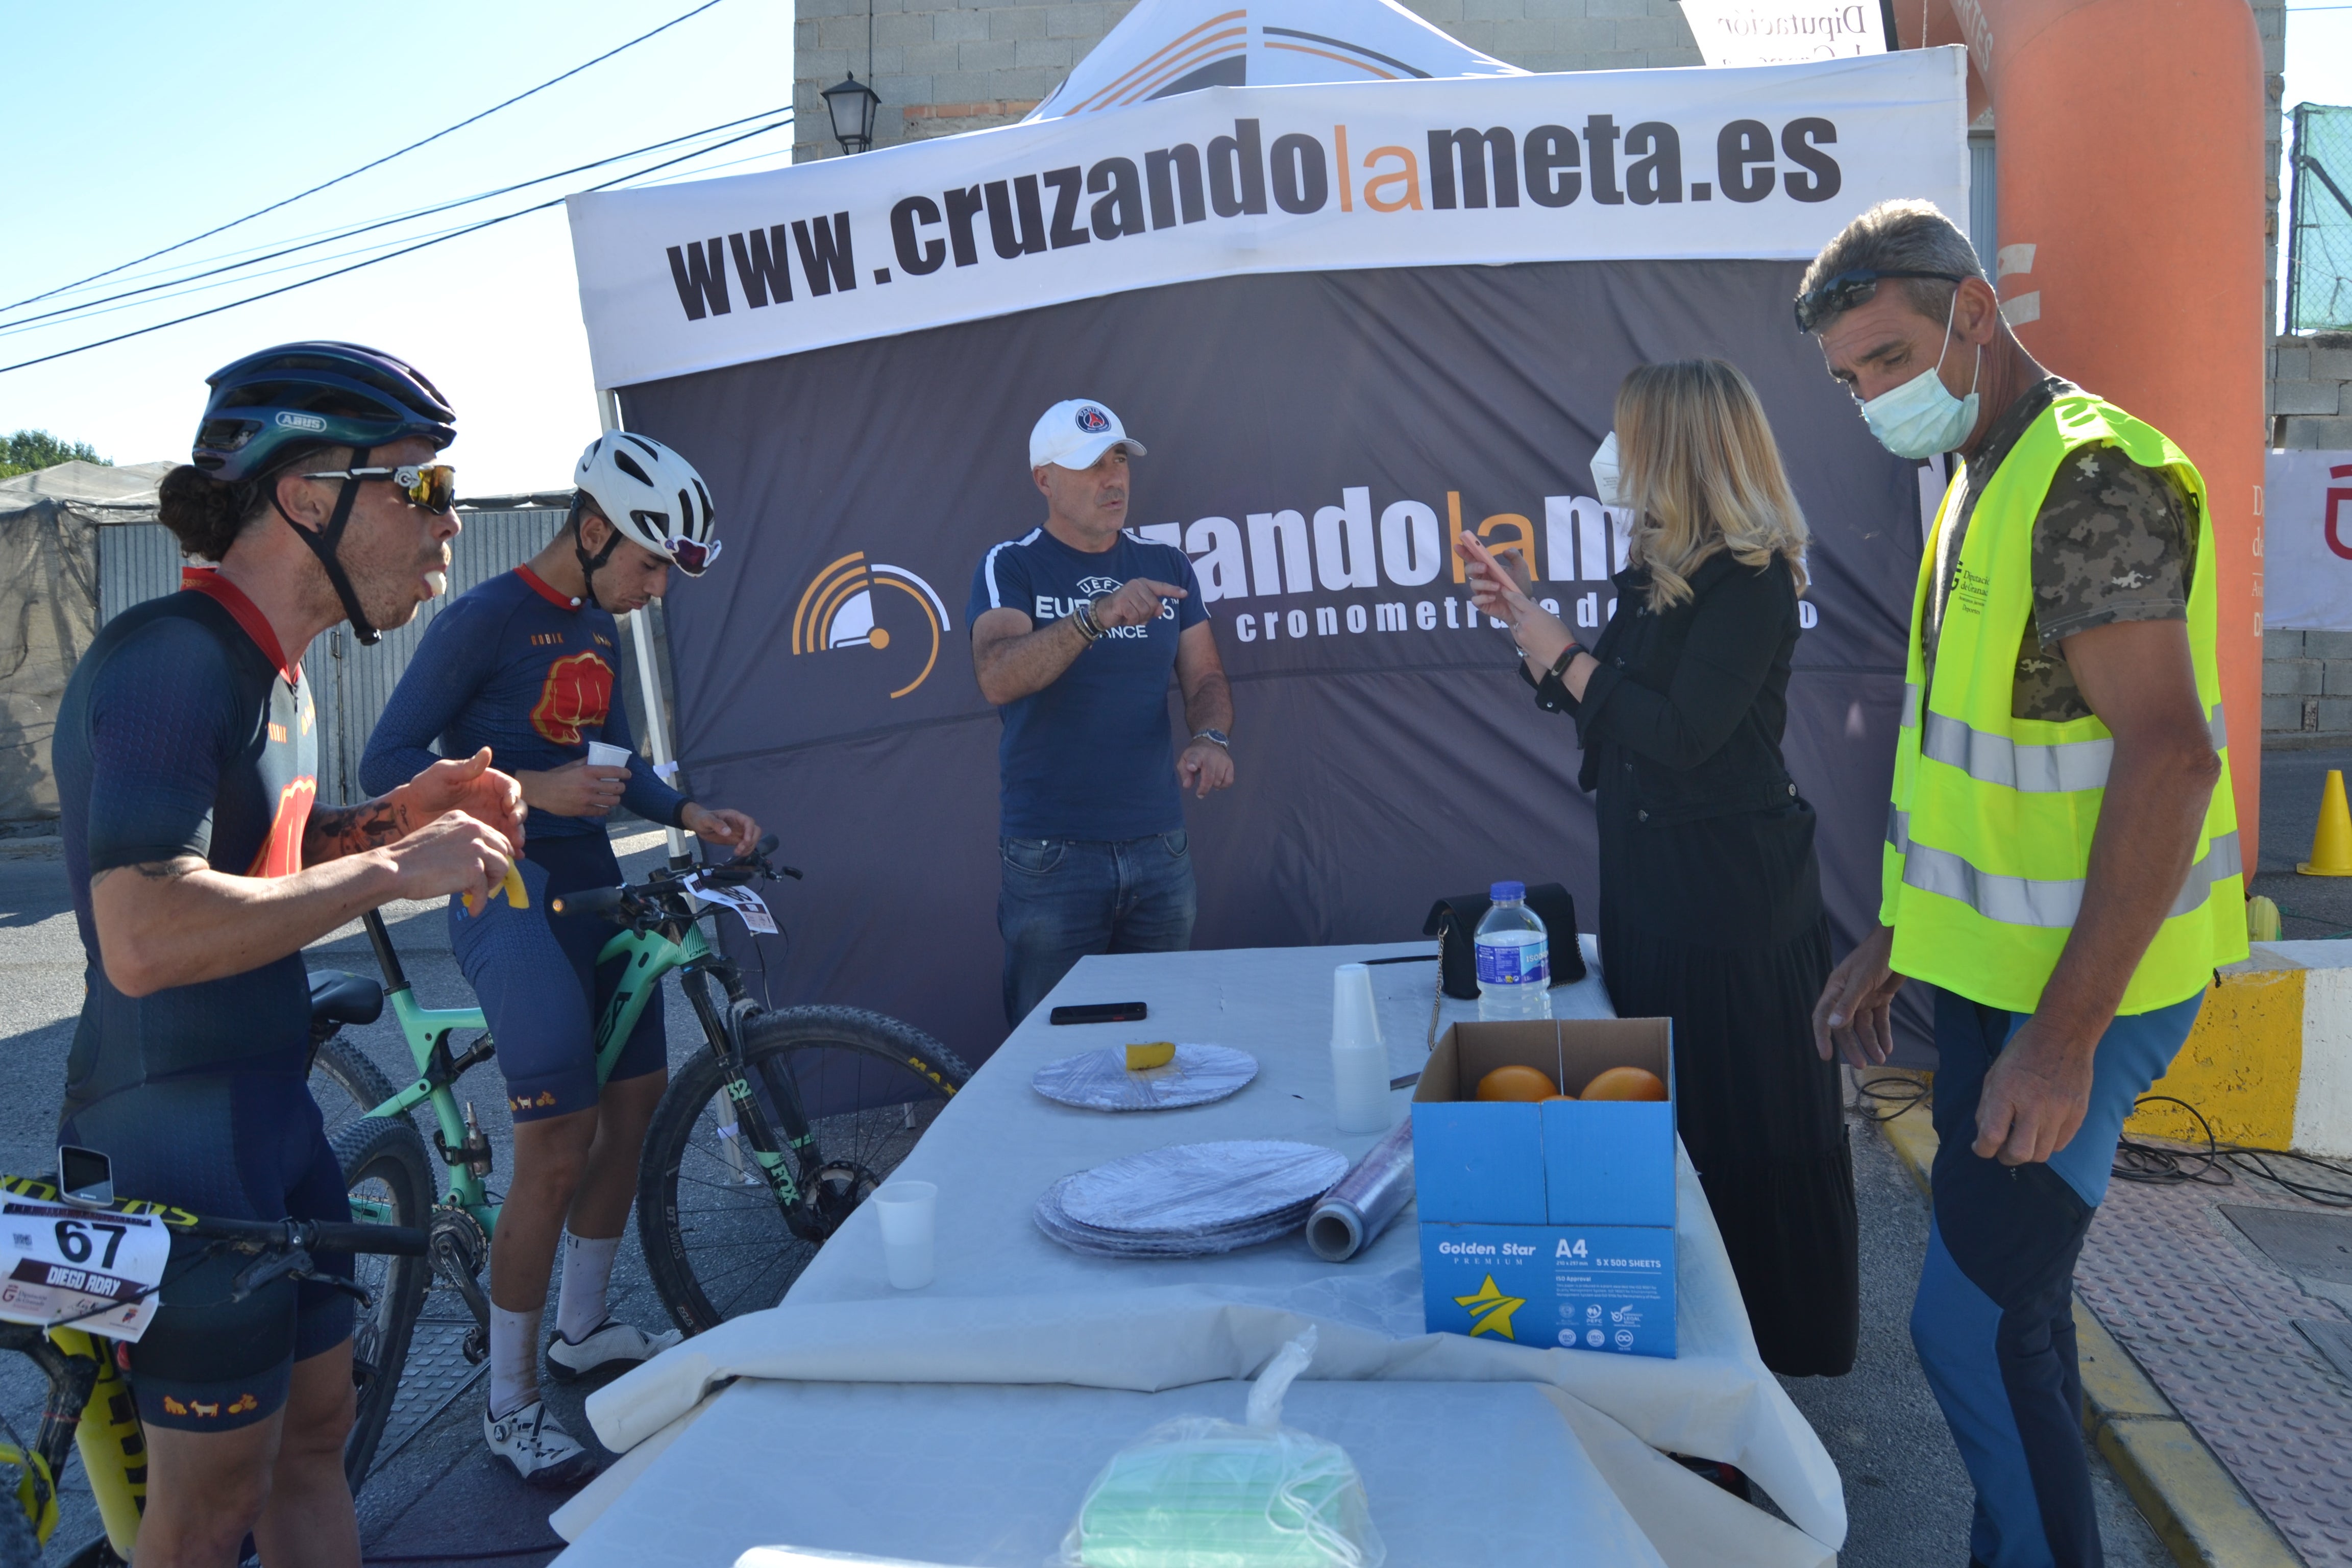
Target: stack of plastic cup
{"type": "Point", "coordinates": [1360, 1063]}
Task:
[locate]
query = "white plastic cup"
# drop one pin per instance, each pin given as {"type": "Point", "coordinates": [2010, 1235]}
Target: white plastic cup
{"type": "Point", "coordinates": [909, 1212]}
{"type": "Point", "coordinates": [601, 755]}
{"type": "Point", "coordinates": [1360, 1084]}
{"type": "Point", "coordinates": [1355, 1019]}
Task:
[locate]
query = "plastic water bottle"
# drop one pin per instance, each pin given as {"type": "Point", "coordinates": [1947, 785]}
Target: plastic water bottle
{"type": "Point", "coordinates": [1513, 958]}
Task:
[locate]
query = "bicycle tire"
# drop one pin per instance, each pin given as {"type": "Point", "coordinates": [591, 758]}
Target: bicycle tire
{"type": "Point", "coordinates": [717, 1243]}
{"type": "Point", "coordinates": [383, 1159]}
{"type": "Point", "coordinates": [345, 1086]}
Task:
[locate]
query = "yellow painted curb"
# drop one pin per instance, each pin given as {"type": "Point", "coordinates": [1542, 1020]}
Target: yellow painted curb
{"type": "Point", "coordinates": [2195, 1506]}
{"type": "Point", "coordinates": [2242, 1066]}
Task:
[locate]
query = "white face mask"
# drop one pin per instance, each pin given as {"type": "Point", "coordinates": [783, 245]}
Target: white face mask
{"type": "Point", "coordinates": [1921, 418]}
{"type": "Point", "coordinates": [1605, 476]}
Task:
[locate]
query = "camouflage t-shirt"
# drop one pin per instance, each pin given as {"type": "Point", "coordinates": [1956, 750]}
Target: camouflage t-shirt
{"type": "Point", "coordinates": [2113, 541]}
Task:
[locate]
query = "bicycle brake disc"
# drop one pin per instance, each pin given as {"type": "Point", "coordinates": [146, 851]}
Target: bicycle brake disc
{"type": "Point", "coordinates": [838, 1188]}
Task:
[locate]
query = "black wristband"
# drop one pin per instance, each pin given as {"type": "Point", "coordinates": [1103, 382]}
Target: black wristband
{"type": "Point", "coordinates": [1559, 671]}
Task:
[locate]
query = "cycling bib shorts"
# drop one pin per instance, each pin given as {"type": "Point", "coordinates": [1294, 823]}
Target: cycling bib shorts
{"type": "Point", "coordinates": [540, 984]}
{"type": "Point", "coordinates": [227, 1146]}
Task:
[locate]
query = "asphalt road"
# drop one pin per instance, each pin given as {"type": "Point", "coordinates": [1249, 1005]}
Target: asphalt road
{"type": "Point", "coordinates": [441, 1493]}
{"type": "Point", "coordinates": [2309, 907]}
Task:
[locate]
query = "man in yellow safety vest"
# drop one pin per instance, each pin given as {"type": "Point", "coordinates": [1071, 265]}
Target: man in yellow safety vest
{"type": "Point", "coordinates": [2062, 852]}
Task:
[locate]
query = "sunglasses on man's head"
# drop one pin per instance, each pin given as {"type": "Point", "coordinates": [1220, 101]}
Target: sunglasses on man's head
{"type": "Point", "coordinates": [433, 487]}
{"type": "Point", "coordinates": [1847, 289]}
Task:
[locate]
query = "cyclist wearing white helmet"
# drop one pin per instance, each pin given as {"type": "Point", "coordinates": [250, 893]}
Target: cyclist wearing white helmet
{"type": "Point", "coordinates": [646, 495]}
{"type": "Point", "coordinates": [525, 664]}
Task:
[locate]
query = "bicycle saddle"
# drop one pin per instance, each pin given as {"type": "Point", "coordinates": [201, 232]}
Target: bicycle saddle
{"type": "Point", "coordinates": [340, 998]}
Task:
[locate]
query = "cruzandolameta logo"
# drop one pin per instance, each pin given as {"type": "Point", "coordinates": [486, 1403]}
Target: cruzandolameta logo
{"type": "Point", "coordinates": [840, 610]}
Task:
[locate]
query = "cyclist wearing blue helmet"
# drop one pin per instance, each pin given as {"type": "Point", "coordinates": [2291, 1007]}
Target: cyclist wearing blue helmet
{"type": "Point", "coordinates": [200, 865]}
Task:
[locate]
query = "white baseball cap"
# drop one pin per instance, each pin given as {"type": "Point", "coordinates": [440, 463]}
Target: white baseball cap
{"type": "Point", "coordinates": [1076, 434]}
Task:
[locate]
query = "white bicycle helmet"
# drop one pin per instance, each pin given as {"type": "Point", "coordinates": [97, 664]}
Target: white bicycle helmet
{"type": "Point", "coordinates": [650, 495]}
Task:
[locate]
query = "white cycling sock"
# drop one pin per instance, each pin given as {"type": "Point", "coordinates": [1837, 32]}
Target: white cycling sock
{"type": "Point", "coordinates": [514, 1359]}
{"type": "Point", "coordinates": [587, 1270]}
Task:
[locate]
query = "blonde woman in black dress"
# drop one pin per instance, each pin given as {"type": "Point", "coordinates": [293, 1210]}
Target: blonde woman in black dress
{"type": "Point", "coordinates": [1710, 896]}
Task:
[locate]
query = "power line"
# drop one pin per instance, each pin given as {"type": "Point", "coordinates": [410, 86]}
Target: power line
{"type": "Point", "coordinates": [422, 245]}
{"type": "Point", "coordinates": [364, 168]}
{"type": "Point", "coordinates": [10, 327]}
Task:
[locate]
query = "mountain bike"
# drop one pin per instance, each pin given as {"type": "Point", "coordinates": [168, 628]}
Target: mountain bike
{"type": "Point", "coordinates": [88, 1407]}
{"type": "Point", "coordinates": [762, 1146]}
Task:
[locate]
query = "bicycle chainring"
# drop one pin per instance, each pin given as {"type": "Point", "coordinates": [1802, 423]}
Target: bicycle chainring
{"type": "Point", "coordinates": [459, 1249]}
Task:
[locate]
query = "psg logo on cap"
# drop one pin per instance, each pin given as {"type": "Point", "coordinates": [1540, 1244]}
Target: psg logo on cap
{"type": "Point", "coordinates": [1093, 420]}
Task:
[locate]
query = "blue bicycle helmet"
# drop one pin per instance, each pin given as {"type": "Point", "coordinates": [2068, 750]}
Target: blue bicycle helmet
{"type": "Point", "coordinates": [275, 405]}
{"type": "Point", "coordinates": [313, 394]}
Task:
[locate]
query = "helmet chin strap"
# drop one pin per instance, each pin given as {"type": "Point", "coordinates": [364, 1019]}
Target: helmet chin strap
{"type": "Point", "coordinates": [589, 564]}
{"type": "Point", "coordinates": [324, 543]}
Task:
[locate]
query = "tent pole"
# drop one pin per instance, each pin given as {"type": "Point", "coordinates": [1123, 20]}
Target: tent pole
{"type": "Point", "coordinates": [641, 639]}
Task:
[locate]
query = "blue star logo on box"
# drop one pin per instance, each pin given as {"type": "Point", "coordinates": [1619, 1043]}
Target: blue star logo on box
{"type": "Point", "coordinates": [1490, 1310]}
{"type": "Point", "coordinates": [1093, 420]}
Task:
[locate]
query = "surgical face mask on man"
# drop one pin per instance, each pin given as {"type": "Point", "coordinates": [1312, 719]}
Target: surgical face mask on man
{"type": "Point", "coordinates": [1605, 476]}
{"type": "Point", "coordinates": [1921, 418]}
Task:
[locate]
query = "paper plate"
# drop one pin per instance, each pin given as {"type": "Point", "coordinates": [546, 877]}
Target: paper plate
{"type": "Point", "coordinates": [1098, 1080]}
{"type": "Point", "coordinates": [1194, 1188]}
{"type": "Point", "coordinates": [1056, 1222]}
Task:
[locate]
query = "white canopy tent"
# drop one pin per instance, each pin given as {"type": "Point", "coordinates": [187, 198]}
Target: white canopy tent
{"type": "Point", "coordinates": [1168, 47]}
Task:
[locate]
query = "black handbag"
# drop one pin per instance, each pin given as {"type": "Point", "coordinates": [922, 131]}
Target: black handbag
{"type": "Point", "coordinates": [1455, 923]}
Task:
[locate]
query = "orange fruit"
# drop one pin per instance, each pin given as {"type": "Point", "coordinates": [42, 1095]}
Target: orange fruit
{"type": "Point", "coordinates": [1549, 1098]}
{"type": "Point", "coordinates": [1515, 1082]}
{"type": "Point", "coordinates": [1626, 1083]}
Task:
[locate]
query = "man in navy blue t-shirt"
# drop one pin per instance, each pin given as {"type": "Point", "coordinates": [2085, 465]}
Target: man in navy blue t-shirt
{"type": "Point", "coordinates": [1074, 627]}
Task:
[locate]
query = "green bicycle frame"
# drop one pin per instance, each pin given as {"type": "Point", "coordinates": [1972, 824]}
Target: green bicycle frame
{"type": "Point", "coordinates": [426, 1030]}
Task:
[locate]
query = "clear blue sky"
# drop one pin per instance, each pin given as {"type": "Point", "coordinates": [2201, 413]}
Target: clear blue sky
{"type": "Point", "coordinates": [132, 125]}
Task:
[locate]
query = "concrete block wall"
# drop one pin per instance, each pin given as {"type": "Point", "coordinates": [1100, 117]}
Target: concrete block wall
{"type": "Point", "coordinates": [2311, 392]}
{"type": "Point", "coordinates": [2307, 682]}
{"type": "Point", "coordinates": [946, 66]}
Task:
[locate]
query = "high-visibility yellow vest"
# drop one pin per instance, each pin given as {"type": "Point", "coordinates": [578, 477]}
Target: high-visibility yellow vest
{"type": "Point", "coordinates": [1989, 840]}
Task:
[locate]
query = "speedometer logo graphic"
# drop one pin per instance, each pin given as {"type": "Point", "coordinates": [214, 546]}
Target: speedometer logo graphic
{"type": "Point", "coordinates": [838, 611]}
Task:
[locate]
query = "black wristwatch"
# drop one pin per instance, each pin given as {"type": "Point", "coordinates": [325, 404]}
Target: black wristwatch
{"type": "Point", "coordinates": [1214, 737]}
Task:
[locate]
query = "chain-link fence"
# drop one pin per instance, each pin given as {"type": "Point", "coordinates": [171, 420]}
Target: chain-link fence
{"type": "Point", "coordinates": [2319, 236]}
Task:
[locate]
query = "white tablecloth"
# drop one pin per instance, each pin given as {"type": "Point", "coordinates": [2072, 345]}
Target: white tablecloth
{"type": "Point", "coordinates": [1010, 1309]}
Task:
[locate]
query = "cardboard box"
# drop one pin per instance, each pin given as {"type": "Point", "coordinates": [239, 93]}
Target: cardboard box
{"type": "Point", "coordinates": [1549, 1224]}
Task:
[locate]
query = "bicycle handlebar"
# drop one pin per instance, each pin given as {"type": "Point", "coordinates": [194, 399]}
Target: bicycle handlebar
{"type": "Point", "coordinates": [626, 905]}
{"type": "Point", "coordinates": [314, 1235]}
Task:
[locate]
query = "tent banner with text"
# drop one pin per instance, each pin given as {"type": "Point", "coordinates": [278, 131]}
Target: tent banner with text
{"type": "Point", "coordinates": [1323, 408]}
{"type": "Point", "coordinates": [1765, 161]}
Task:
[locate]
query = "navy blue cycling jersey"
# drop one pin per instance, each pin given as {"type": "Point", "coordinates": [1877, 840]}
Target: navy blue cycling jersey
{"type": "Point", "coordinates": [184, 731]}
{"type": "Point", "coordinates": [516, 667]}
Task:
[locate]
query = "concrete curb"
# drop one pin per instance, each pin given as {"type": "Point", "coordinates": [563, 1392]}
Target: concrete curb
{"type": "Point", "coordinates": [2196, 1507]}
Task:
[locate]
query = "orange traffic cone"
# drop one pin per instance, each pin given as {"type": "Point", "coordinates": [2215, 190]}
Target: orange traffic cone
{"type": "Point", "coordinates": [2331, 841]}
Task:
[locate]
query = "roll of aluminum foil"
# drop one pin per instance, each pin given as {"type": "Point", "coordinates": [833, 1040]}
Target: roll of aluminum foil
{"type": "Point", "coordinates": [1352, 1215]}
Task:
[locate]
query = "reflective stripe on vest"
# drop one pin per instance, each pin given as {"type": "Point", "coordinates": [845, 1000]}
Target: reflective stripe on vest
{"type": "Point", "coordinates": [2035, 769]}
{"type": "Point", "coordinates": [2024, 901]}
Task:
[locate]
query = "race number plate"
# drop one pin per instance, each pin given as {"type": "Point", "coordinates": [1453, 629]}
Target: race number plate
{"type": "Point", "coordinates": [742, 900]}
{"type": "Point", "coordinates": [90, 1268]}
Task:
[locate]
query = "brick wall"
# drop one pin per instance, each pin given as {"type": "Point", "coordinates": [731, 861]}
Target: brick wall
{"type": "Point", "coordinates": [943, 66]}
{"type": "Point", "coordinates": [2307, 682]}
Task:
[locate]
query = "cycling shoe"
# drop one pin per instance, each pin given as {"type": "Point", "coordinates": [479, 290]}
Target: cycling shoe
{"type": "Point", "coordinates": [541, 1452]}
{"type": "Point", "coordinates": [610, 1343]}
